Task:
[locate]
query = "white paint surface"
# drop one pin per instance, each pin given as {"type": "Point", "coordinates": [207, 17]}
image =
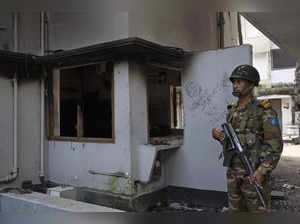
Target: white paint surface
{"type": "Point", "coordinates": [28, 130]}
{"type": "Point", "coordinates": [6, 126]}
{"type": "Point", "coordinates": [283, 76]}
{"type": "Point", "coordinates": [206, 93]}
{"type": "Point", "coordinates": [36, 203]}
{"type": "Point", "coordinates": [79, 29]}
{"type": "Point", "coordinates": [138, 111]}
{"type": "Point", "coordinates": [145, 159]}
{"type": "Point", "coordinates": [286, 107]}
{"type": "Point", "coordinates": [172, 24]}
{"type": "Point", "coordinates": [261, 63]}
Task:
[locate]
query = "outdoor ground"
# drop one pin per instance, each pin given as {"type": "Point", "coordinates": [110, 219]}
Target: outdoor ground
{"type": "Point", "coordinates": [286, 178]}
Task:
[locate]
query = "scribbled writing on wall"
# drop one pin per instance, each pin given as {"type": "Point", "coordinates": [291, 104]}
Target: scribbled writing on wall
{"type": "Point", "coordinates": [206, 100]}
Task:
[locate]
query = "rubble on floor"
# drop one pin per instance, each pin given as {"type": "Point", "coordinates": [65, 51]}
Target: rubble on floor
{"type": "Point", "coordinates": [284, 204]}
{"type": "Point", "coordinates": [183, 207]}
{"type": "Point", "coordinates": [281, 190]}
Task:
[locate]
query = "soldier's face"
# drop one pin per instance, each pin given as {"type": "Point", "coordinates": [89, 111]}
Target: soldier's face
{"type": "Point", "coordinates": [241, 87]}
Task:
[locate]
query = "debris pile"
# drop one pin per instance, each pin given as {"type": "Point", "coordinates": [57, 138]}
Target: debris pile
{"type": "Point", "coordinates": [288, 202]}
{"type": "Point", "coordinates": [283, 200]}
{"type": "Point", "coordinates": [182, 207]}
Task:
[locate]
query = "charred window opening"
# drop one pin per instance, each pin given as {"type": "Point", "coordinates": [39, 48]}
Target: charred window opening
{"type": "Point", "coordinates": [165, 106]}
{"type": "Point", "coordinates": [176, 106]}
{"type": "Point", "coordinates": [84, 107]}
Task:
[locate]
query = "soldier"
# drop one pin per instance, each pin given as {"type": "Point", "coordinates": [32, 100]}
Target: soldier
{"type": "Point", "coordinates": [257, 127]}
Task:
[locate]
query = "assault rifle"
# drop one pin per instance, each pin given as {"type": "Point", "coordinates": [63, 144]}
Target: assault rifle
{"type": "Point", "coordinates": [236, 146]}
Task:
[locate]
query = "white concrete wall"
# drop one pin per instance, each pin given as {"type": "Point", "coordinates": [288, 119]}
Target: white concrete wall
{"type": "Point", "coordinates": [206, 94]}
{"type": "Point", "coordinates": [28, 130]}
{"type": "Point", "coordinates": [262, 63]}
{"type": "Point", "coordinates": [251, 35]}
{"type": "Point", "coordinates": [29, 115]}
{"type": "Point", "coordinates": [286, 107]}
{"type": "Point", "coordinates": [69, 162]}
{"type": "Point", "coordinates": [138, 110]}
{"type": "Point", "coordinates": [283, 76]}
{"type": "Point", "coordinates": [6, 126]}
{"type": "Point", "coordinates": [175, 28]}
{"type": "Point", "coordinates": [79, 29]}
{"type": "Point", "coordinates": [29, 33]}
{"type": "Point", "coordinates": [171, 28]}
{"type": "Point", "coordinates": [172, 24]}
{"type": "Point", "coordinates": [6, 33]}
{"type": "Point", "coordinates": [66, 30]}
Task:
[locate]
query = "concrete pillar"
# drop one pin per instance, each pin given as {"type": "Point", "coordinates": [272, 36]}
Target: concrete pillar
{"type": "Point", "coordinates": [297, 96]}
{"type": "Point", "coordinates": [138, 109]}
{"type": "Point", "coordinates": [297, 89]}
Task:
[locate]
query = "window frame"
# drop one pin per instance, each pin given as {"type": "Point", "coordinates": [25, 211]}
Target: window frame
{"type": "Point", "coordinates": [53, 114]}
{"type": "Point", "coordinates": [276, 68]}
{"type": "Point", "coordinates": [150, 138]}
{"type": "Point", "coordinates": [173, 108]}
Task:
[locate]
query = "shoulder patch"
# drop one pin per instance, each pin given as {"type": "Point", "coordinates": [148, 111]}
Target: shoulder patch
{"type": "Point", "coordinates": [273, 121]}
{"type": "Point", "coordinates": [265, 103]}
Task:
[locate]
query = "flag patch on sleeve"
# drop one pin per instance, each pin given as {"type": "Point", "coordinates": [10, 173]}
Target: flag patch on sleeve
{"type": "Point", "coordinates": [273, 121]}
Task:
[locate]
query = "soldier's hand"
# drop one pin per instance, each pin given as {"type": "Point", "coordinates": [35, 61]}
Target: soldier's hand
{"type": "Point", "coordinates": [218, 134]}
{"type": "Point", "coordinates": [258, 177]}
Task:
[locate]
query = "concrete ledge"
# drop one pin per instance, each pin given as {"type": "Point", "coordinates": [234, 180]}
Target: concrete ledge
{"type": "Point", "coordinates": [146, 157]}
{"type": "Point", "coordinates": [37, 202]}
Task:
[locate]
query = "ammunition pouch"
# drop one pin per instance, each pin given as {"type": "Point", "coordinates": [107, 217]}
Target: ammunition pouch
{"type": "Point", "coordinates": [228, 153]}
{"type": "Point", "coordinates": [252, 147]}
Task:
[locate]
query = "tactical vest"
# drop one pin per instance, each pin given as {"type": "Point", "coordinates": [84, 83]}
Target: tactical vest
{"type": "Point", "coordinates": [248, 125]}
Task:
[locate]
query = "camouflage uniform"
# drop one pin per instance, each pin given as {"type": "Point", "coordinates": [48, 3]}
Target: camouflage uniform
{"type": "Point", "coordinates": [259, 133]}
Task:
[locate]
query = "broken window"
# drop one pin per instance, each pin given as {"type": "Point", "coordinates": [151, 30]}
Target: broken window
{"type": "Point", "coordinates": [176, 107]}
{"type": "Point", "coordinates": [83, 101]}
{"type": "Point", "coordinates": [165, 105]}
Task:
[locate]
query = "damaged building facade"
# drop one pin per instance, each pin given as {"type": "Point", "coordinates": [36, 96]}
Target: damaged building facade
{"type": "Point", "coordinates": [121, 110]}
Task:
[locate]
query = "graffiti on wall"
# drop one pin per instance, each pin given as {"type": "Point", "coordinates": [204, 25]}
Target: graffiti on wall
{"type": "Point", "coordinates": [207, 100]}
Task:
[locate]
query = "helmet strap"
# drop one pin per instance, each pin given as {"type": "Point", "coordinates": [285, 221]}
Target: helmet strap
{"type": "Point", "coordinates": [247, 89]}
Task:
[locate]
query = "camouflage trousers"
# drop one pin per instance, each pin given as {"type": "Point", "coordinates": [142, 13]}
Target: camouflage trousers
{"type": "Point", "coordinates": [242, 196]}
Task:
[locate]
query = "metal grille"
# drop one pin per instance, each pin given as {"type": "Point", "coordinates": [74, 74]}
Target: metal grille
{"type": "Point", "coordinates": [280, 60]}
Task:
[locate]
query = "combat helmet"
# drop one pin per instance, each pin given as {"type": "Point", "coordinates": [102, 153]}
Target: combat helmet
{"type": "Point", "coordinates": [247, 72]}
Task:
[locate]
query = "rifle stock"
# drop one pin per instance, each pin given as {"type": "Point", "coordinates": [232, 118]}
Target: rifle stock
{"type": "Point", "coordinates": [236, 145]}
